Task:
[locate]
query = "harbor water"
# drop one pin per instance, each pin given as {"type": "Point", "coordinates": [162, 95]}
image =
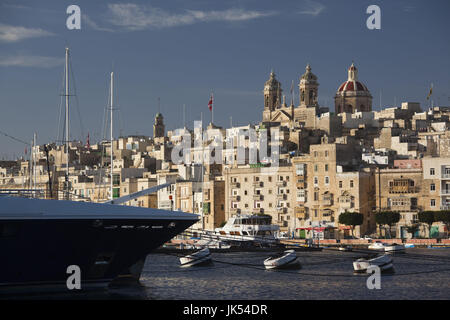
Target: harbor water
{"type": "Point", "coordinates": [328, 274]}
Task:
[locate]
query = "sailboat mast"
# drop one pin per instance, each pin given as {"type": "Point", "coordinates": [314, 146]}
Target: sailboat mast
{"type": "Point", "coordinates": [67, 113]}
{"type": "Point", "coordinates": [111, 132]}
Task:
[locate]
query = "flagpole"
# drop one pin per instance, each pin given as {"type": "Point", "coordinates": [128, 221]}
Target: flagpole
{"type": "Point", "coordinates": [212, 108]}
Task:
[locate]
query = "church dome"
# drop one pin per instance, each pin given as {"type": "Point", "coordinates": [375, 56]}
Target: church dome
{"type": "Point", "coordinates": [352, 84]}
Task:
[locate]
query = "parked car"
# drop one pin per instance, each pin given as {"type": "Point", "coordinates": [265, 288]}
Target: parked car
{"type": "Point", "coordinates": [365, 238]}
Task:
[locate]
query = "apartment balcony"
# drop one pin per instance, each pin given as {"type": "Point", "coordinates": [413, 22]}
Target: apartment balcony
{"type": "Point", "coordinates": [400, 190]}
{"type": "Point", "coordinates": [301, 199]}
{"type": "Point", "coordinates": [326, 202]}
{"type": "Point", "coordinates": [235, 210]}
{"type": "Point", "coordinates": [282, 209]}
{"type": "Point", "coordinates": [445, 191]}
{"type": "Point", "coordinates": [301, 184]}
{"type": "Point", "coordinates": [258, 197]}
{"type": "Point", "coordinates": [300, 212]}
{"type": "Point", "coordinates": [235, 184]}
{"type": "Point", "coordinates": [257, 184]}
{"type": "Point", "coordinates": [445, 207]}
{"type": "Point", "coordinates": [282, 196]}
{"type": "Point", "coordinates": [445, 176]}
{"type": "Point", "coordinates": [257, 210]}
{"type": "Point", "coordinates": [328, 218]}
{"type": "Point", "coordinates": [235, 198]}
{"type": "Point", "coordinates": [281, 183]}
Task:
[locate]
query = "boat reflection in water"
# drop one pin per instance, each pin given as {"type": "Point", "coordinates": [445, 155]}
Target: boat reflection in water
{"type": "Point", "coordinates": [40, 239]}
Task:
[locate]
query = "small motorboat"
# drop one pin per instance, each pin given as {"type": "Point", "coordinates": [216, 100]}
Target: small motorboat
{"type": "Point", "coordinates": [197, 258]}
{"type": "Point", "coordinates": [384, 262]}
{"type": "Point", "coordinates": [287, 259]}
{"type": "Point", "coordinates": [394, 247]}
{"type": "Point", "coordinates": [345, 248]}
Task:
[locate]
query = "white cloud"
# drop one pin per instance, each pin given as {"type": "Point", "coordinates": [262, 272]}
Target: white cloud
{"type": "Point", "coordinates": [30, 61]}
{"type": "Point", "coordinates": [92, 24]}
{"type": "Point", "coordinates": [135, 17]}
{"type": "Point", "coordinates": [13, 34]}
{"type": "Point", "coordinates": [311, 8]}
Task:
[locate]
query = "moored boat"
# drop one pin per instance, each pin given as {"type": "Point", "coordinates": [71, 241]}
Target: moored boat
{"type": "Point", "coordinates": [285, 260]}
{"type": "Point", "coordinates": [384, 262]}
{"type": "Point", "coordinates": [197, 258]}
{"type": "Point", "coordinates": [40, 239]}
{"type": "Point", "coordinates": [394, 247]}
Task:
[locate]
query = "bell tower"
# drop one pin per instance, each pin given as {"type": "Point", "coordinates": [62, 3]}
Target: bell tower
{"type": "Point", "coordinates": [158, 126]}
{"type": "Point", "coordinates": [308, 89]}
{"type": "Point", "coordinates": [272, 93]}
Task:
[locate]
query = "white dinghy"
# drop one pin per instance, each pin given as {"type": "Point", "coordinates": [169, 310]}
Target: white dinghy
{"type": "Point", "coordinates": [394, 247]}
{"type": "Point", "coordinates": [197, 258]}
{"type": "Point", "coordinates": [288, 259]}
{"type": "Point", "coordinates": [384, 262]}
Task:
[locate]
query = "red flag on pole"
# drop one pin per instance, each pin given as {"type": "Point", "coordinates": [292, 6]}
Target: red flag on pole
{"type": "Point", "coordinates": [210, 103]}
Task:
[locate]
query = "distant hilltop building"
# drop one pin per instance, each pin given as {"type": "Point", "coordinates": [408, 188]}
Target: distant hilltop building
{"type": "Point", "coordinates": [352, 96]}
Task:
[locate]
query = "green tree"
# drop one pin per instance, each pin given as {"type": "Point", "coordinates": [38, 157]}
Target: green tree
{"type": "Point", "coordinates": [352, 219]}
{"type": "Point", "coordinates": [427, 217]}
{"type": "Point", "coordinates": [388, 218]}
{"type": "Point", "coordinates": [444, 217]}
{"type": "Point", "coordinates": [413, 229]}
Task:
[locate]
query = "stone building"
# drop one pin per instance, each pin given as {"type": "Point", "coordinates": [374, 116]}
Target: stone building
{"type": "Point", "coordinates": [257, 189]}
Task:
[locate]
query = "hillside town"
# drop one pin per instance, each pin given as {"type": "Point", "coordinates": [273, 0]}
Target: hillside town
{"type": "Point", "coordinates": [302, 164]}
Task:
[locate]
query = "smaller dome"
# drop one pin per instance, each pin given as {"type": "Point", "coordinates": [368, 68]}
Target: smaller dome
{"type": "Point", "coordinates": [352, 85]}
{"type": "Point", "coordinates": [308, 75]}
{"type": "Point", "coordinates": [272, 82]}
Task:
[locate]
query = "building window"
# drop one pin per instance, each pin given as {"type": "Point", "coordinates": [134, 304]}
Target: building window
{"type": "Point", "coordinates": [432, 203]}
{"type": "Point", "coordinates": [351, 183]}
{"type": "Point", "coordinates": [431, 171]}
{"type": "Point", "coordinates": [245, 179]}
{"type": "Point", "coordinates": [270, 179]}
{"type": "Point", "coordinates": [316, 167]}
{"type": "Point", "coordinates": [326, 167]}
{"type": "Point", "coordinates": [340, 184]}
{"type": "Point", "coordinates": [315, 213]}
{"type": "Point", "coordinates": [316, 196]}
{"type": "Point", "coordinates": [326, 153]}
{"type": "Point", "coordinates": [315, 154]}
{"type": "Point", "coordinates": [327, 180]}
{"type": "Point", "coordinates": [432, 187]}
{"type": "Point", "coordinates": [270, 191]}
{"type": "Point", "coordinates": [316, 180]}
{"type": "Point", "coordinates": [245, 192]}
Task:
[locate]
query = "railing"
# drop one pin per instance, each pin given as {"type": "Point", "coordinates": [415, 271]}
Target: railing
{"type": "Point", "coordinates": [446, 176]}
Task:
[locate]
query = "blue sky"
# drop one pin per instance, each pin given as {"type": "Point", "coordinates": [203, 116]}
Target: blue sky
{"type": "Point", "coordinates": [181, 50]}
